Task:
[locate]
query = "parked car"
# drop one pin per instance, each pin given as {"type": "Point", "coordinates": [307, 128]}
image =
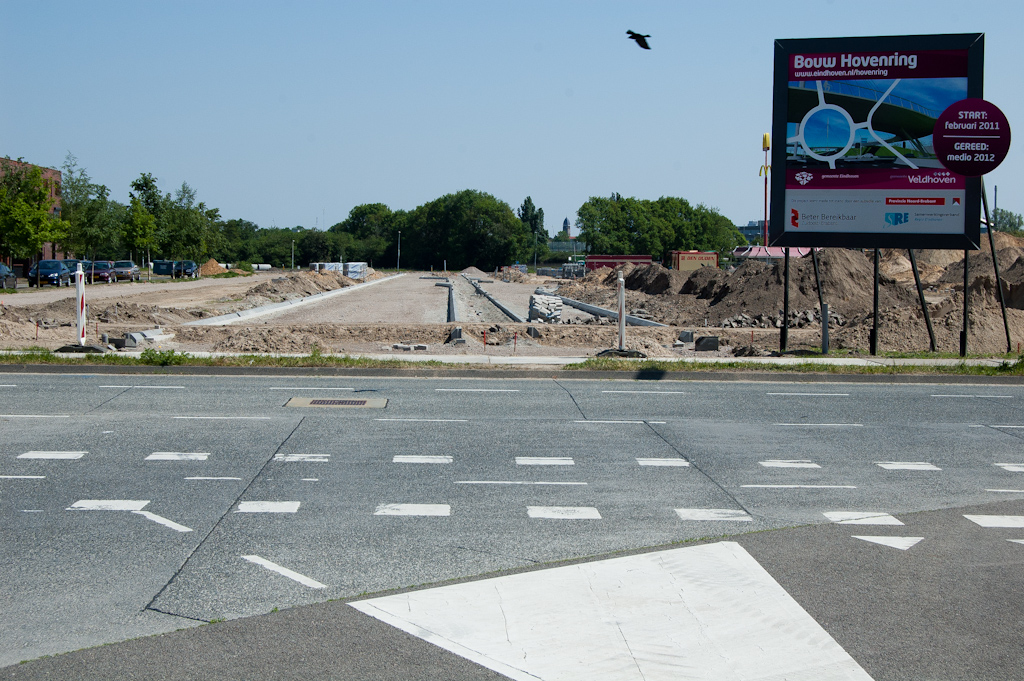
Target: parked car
{"type": "Point", "coordinates": [185, 268]}
{"type": "Point", "coordinates": [7, 277]}
{"type": "Point", "coordinates": [51, 272]}
{"type": "Point", "coordinates": [72, 266]}
{"type": "Point", "coordinates": [126, 269]}
{"type": "Point", "coordinates": [101, 270]}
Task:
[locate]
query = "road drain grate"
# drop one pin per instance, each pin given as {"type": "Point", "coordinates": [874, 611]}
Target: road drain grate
{"type": "Point", "coordinates": [375, 403]}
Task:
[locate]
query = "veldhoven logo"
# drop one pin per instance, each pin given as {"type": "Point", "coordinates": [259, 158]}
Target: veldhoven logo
{"type": "Point", "coordinates": [803, 177]}
{"type": "Point", "coordinates": [893, 219]}
{"type": "Point", "coordinates": [794, 217]}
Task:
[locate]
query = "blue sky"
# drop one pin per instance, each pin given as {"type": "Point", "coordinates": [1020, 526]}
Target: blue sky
{"type": "Point", "coordinates": [291, 114]}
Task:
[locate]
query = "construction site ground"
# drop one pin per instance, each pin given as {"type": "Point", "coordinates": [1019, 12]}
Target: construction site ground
{"type": "Point", "coordinates": [394, 314]}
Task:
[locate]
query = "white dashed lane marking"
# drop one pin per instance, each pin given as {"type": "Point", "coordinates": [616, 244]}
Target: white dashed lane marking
{"type": "Point", "coordinates": [513, 482]}
{"type": "Point", "coordinates": [823, 425]}
{"type": "Point", "coordinates": [645, 392]}
{"type": "Point", "coordinates": [789, 463]}
{"type": "Point", "coordinates": [474, 390]}
{"type": "Point", "coordinates": [426, 420]}
{"type": "Point", "coordinates": [268, 507]}
{"type": "Point", "coordinates": [563, 512]}
{"type": "Point", "coordinates": [163, 521]}
{"type": "Point", "coordinates": [421, 458]}
{"type": "Point", "coordinates": [808, 394]}
{"type": "Point", "coordinates": [22, 477]}
{"type": "Point", "coordinates": [178, 456]}
{"type": "Point", "coordinates": [143, 387]}
{"type": "Point", "coordinates": [414, 509]}
{"type": "Point", "coordinates": [715, 514]}
{"type": "Point", "coordinates": [35, 416]}
{"type": "Point", "coordinates": [290, 574]}
{"type": "Point", "coordinates": [907, 466]}
{"type": "Point", "coordinates": [901, 543]}
{"type": "Point", "coordinates": [997, 520]}
{"type": "Point", "coordinates": [209, 478]}
{"type": "Point", "coordinates": [224, 418]}
{"type": "Point", "coordinates": [304, 458]}
{"type": "Point", "coordinates": [307, 388]}
{"type": "Point", "coordinates": [545, 461]}
{"type": "Point", "coordinates": [1011, 467]}
{"type": "Point", "coordinates": [52, 455]}
{"type": "Point", "coordinates": [861, 518]}
{"type": "Point", "coordinates": [663, 462]}
{"type": "Point", "coordinates": [801, 486]}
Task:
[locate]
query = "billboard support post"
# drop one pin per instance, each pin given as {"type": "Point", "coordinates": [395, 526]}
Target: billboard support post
{"type": "Point", "coordinates": [784, 331]}
{"type": "Point", "coordinates": [967, 310]}
{"type": "Point", "coordinates": [995, 265]}
{"type": "Point", "coordinates": [874, 326]}
{"type": "Point", "coordinates": [924, 304]}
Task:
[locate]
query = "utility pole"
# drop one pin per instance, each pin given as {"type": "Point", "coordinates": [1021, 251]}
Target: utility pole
{"type": "Point", "coordinates": [398, 263]}
{"type": "Point", "coordinates": [293, 255]}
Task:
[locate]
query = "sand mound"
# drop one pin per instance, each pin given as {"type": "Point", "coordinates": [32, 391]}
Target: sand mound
{"type": "Point", "coordinates": [210, 267]}
{"type": "Point", "coordinates": [654, 279]}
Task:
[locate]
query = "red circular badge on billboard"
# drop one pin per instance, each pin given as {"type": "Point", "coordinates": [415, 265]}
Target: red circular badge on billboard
{"type": "Point", "coordinates": [971, 137]}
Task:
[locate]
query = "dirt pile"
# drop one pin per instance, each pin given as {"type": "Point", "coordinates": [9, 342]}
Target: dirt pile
{"type": "Point", "coordinates": [654, 279]}
{"type": "Point", "coordinates": [211, 267]}
{"type": "Point", "coordinates": [298, 285]}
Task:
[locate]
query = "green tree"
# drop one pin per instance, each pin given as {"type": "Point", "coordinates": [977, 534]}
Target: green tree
{"type": "Point", "coordinates": [139, 228]}
{"type": "Point", "coordinates": [533, 219]}
{"type": "Point", "coordinates": [1005, 221]}
{"type": "Point", "coordinates": [26, 220]}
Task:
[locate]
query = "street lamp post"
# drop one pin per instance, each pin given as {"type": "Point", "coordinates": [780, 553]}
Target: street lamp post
{"type": "Point", "coordinates": [293, 255]}
{"type": "Point", "coordinates": [398, 263]}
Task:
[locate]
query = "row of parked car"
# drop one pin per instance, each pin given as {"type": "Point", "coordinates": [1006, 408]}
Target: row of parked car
{"type": "Point", "coordinates": [61, 272]}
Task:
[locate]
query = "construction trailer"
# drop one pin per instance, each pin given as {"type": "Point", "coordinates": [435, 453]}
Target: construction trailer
{"type": "Point", "coordinates": [595, 262]}
{"type": "Point", "coordinates": [687, 261]}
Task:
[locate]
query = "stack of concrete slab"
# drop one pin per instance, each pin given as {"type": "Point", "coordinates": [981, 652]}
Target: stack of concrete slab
{"type": "Point", "coordinates": [545, 308]}
{"type": "Point", "coordinates": [355, 270]}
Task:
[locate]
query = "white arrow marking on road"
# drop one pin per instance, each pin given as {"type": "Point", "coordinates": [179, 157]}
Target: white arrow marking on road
{"type": "Point", "coordinates": [163, 521]}
{"type": "Point", "coordinates": [997, 520]}
{"type": "Point", "coordinates": [861, 518]}
{"type": "Point", "coordinates": [901, 543]}
{"type": "Point", "coordinates": [107, 505]}
{"type": "Point", "coordinates": [699, 612]}
{"type": "Point", "coordinates": [52, 455]}
{"type": "Point", "coordinates": [290, 574]}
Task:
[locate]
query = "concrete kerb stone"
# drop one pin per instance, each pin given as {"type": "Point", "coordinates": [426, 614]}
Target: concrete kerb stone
{"type": "Point", "coordinates": [601, 312]}
{"type": "Point", "coordinates": [224, 320]}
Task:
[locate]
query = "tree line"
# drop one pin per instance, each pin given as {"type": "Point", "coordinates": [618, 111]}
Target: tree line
{"type": "Point", "coordinates": [465, 228]}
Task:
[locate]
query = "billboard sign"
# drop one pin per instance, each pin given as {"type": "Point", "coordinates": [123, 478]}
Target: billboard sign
{"type": "Point", "coordinates": [855, 162]}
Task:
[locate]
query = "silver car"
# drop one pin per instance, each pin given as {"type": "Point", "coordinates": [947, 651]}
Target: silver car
{"type": "Point", "coordinates": [126, 269]}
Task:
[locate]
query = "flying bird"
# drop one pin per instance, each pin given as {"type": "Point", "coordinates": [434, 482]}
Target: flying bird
{"type": "Point", "coordinates": [640, 39]}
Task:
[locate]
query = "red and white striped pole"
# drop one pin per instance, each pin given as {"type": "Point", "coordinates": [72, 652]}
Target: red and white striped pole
{"type": "Point", "coordinates": [622, 312]}
{"type": "Point", "coordinates": [80, 296]}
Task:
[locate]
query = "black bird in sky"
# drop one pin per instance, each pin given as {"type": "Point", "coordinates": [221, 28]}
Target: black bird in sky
{"type": "Point", "coordinates": [640, 39]}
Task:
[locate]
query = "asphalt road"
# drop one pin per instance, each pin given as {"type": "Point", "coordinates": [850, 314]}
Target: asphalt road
{"type": "Point", "coordinates": [147, 504]}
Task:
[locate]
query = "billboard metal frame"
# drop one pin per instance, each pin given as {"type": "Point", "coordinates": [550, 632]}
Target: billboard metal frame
{"type": "Point", "coordinates": [969, 239]}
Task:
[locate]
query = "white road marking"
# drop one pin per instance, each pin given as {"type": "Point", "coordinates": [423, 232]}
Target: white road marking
{"type": "Point", "coordinates": [824, 425]}
{"type": "Point", "coordinates": [307, 388]}
{"type": "Point", "coordinates": [414, 509]}
{"type": "Point", "coordinates": [563, 512]}
{"type": "Point", "coordinates": [178, 456]}
{"type": "Point", "coordinates": [32, 510]}
{"type": "Point", "coordinates": [861, 518]}
{"type": "Point", "coordinates": [589, 421]}
{"type": "Point", "coordinates": [268, 507]}
{"type": "Point", "coordinates": [163, 521]}
{"type": "Point", "coordinates": [151, 387]}
{"type": "Point", "coordinates": [290, 574]}
{"type": "Point", "coordinates": [713, 514]}
{"type": "Point", "coordinates": [309, 458]}
{"type": "Point", "coordinates": [311, 480]}
{"type": "Point", "coordinates": [802, 486]}
{"type": "Point", "coordinates": [108, 505]}
{"type": "Point", "coordinates": [645, 392]}
{"type": "Point", "coordinates": [35, 416]}
{"type": "Point", "coordinates": [993, 397]}
{"type": "Point", "coordinates": [107, 432]}
{"type": "Point", "coordinates": [474, 390]}
{"type": "Point", "coordinates": [1004, 426]}
{"type": "Point", "coordinates": [662, 462]}
{"type": "Point", "coordinates": [225, 418]}
{"type": "Point", "coordinates": [901, 543]}
{"type": "Point", "coordinates": [8, 386]}
{"type": "Point", "coordinates": [907, 466]}
{"type": "Point", "coordinates": [789, 463]}
{"type": "Point", "coordinates": [997, 520]}
{"type": "Point", "coordinates": [1016, 541]}
{"type": "Point", "coordinates": [22, 477]}
{"type": "Point", "coordinates": [545, 461]}
{"type": "Point", "coordinates": [1011, 491]}
{"type": "Point", "coordinates": [427, 420]}
{"type": "Point", "coordinates": [1011, 467]}
{"type": "Point", "coordinates": [705, 612]}
{"type": "Point", "coordinates": [421, 458]}
{"type": "Point", "coordinates": [205, 478]}
{"type": "Point", "coordinates": [52, 455]}
{"type": "Point", "coordinates": [513, 482]}
{"type": "Point", "coordinates": [809, 394]}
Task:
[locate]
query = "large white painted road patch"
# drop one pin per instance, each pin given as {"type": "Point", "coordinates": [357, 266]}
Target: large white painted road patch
{"type": "Point", "coordinates": [706, 612]}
